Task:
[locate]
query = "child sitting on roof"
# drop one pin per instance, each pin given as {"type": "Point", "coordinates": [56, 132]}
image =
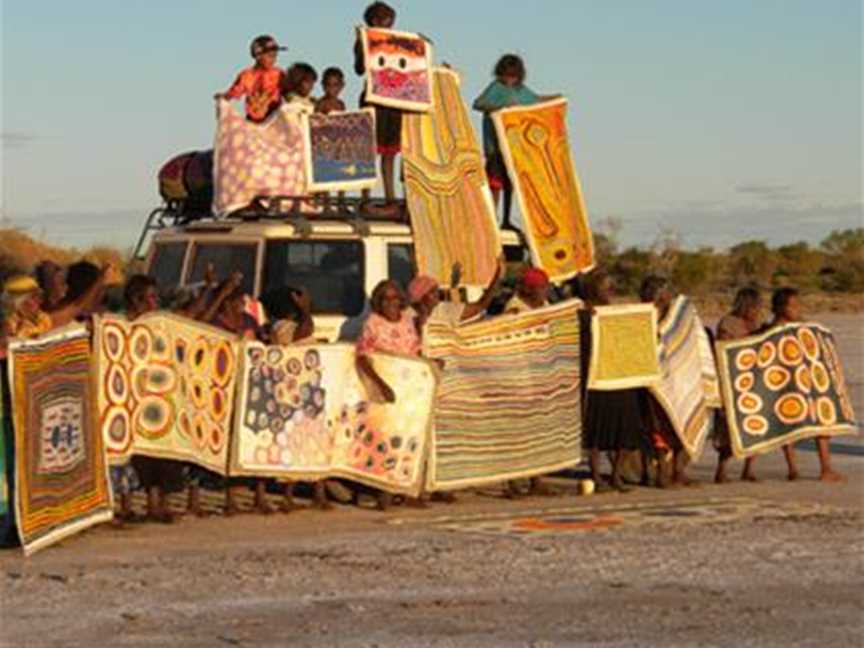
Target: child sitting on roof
{"type": "Point", "coordinates": [262, 83]}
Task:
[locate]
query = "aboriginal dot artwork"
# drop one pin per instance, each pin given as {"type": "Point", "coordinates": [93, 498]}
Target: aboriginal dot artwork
{"type": "Point", "coordinates": [784, 385]}
{"type": "Point", "coordinates": [304, 413]}
{"type": "Point", "coordinates": [166, 389]}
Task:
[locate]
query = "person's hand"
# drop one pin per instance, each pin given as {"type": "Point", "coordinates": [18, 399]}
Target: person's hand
{"type": "Point", "coordinates": [500, 268]}
{"type": "Point", "coordinates": [456, 274]}
{"type": "Point", "coordinates": [302, 299]}
{"type": "Point", "coordinates": [111, 274]}
{"type": "Point", "coordinates": [219, 95]}
{"type": "Point", "coordinates": [233, 283]}
{"type": "Point", "coordinates": [209, 276]}
{"type": "Point", "coordinates": [387, 393]}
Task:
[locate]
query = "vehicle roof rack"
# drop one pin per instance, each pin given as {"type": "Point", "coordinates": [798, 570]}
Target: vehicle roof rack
{"type": "Point", "coordinates": [298, 211]}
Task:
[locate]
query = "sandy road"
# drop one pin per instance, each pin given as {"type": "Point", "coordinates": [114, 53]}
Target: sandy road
{"type": "Point", "coordinates": [743, 564]}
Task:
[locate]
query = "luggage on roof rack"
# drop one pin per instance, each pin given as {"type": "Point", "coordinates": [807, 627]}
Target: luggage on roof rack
{"type": "Point", "coordinates": [186, 182]}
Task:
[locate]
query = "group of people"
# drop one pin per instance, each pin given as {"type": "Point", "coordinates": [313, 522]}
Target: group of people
{"type": "Point", "coordinates": [621, 424]}
{"type": "Point", "coordinates": [265, 87]}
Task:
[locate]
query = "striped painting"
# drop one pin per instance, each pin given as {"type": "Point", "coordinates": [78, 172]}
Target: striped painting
{"type": "Point", "coordinates": [681, 389]}
{"type": "Point", "coordinates": [61, 477]}
{"type": "Point", "coordinates": [446, 189]}
{"type": "Point", "coordinates": [782, 386]}
{"type": "Point", "coordinates": [509, 401]}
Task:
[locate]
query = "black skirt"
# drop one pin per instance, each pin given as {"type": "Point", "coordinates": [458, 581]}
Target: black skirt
{"type": "Point", "coordinates": [614, 420]}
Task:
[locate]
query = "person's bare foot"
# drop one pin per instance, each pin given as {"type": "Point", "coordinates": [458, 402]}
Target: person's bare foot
{"type": "Point", "coordinates": [831, 477]}
{"type": "Point", "coordinates": [445, 497]}
{"type": "Point", "coordinates": [749, 476]}
{"type": "Point", "coordinates": [161, 517]}
{"type": "Point", "coordinates": [720, 477]}
{"type": "Point", "coordinates": [416, 502]}
{"type": "Point", "coordinates": [540, 489]}
{"type": "Point", "coordinates": [511, 491]}
{"type": "Point", "coordinates": [792, 476]}
{"type": "Point", "coordinates": [385, 501]}
{"type": "Point", "coordinates": [263, 508]}
{"type": "Point", "coordinates": [619, 486]}
{"type": "Point", "coordinates": [197, 512]}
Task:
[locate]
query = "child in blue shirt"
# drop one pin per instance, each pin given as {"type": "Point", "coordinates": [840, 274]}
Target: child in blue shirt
{"type": "Point", "coordinates": [508, 89]}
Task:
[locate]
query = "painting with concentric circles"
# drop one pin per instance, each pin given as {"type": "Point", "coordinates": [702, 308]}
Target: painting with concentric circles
{"type": "Point", "coordinates": [61, 479]}
{"type": "Point", "coordinates": [166, 389]}
{"type": "Point", "coordinates": [782, 386]}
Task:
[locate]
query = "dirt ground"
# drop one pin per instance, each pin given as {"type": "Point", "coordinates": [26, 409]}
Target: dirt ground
{"type": "Point", "coordinates": [772, 563]}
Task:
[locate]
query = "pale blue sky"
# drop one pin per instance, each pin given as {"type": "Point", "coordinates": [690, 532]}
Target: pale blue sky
{"type": "Point", "coordinates": [724, 120]}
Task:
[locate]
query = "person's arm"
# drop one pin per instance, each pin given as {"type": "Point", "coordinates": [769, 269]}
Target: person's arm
{"type": "Point", "coordinates": [306, 325]}
{"type": "Point", "coordinates": [359, 56]}
{"type": "Point", "coordinates": [199, 304]}
{"type": "Point", "coordinates": [237, 89]}
{"type": "Point", "coordinates": [474, 309]}
{"type": "Point", "coordinates": [229, 287]}
{"type": "Point", "coordinates": [490, 100]}
{"type": "Point", "coordinates": [69, 312]}
{"type": "Point", "coordinates": [364, 366]}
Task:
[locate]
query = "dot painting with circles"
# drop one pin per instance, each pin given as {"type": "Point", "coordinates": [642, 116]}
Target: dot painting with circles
{"type": "Point", "coordinates": [166, 389]}
{"type": "Point", "coordinates": [782, 386]}
{"type": "Point", "coordinates": [303, 412]}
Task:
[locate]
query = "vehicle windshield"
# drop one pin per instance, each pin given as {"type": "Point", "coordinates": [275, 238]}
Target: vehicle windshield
{"type": "Point", "coordinates": [331, 271]}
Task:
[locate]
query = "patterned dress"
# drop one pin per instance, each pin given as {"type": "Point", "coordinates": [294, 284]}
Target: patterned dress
{"type": "Point", "coordinates": [380, 334]}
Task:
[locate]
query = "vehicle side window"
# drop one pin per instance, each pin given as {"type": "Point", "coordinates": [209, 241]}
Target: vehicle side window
{"type": "Point", "coordinates": [226, 259]}
{"type": "Point", "coordinates": [167, 264]}
{"type": "Point", "coordinates": [400, 263]}
{"type": "Point", "coordinates": [331, 271]}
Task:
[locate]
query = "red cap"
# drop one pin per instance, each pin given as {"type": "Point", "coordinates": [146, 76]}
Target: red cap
{"type": "Point", "coordinates": [535, 278]}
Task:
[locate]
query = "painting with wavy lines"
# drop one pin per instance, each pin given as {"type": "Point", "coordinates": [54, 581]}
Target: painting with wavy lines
{"type": "Point", "coordinates": [509, 402]}
{"type": "Point", "coordinates": [536, 150]}
{"type": "Point", "coordinates": [166, 388]}
{"type": "Point", "coordinates": [782, 386]}
{"type": "Point", "coordinates": [446, 189]}
{"type": "Point", "coordinates": [685, 390]}
{"type": "Point", "coordinates": [61, 475]}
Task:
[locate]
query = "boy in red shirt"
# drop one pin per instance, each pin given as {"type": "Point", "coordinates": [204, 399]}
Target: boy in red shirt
{"type": "Point", "coordinates": [261, 84]}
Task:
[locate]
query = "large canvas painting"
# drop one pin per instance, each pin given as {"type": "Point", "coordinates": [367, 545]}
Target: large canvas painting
{"type": "Point", "coordinates": [257, 160]}
{"type": "Point", "coordinates": [536, 150]}
{"type": "Point", "coordinates": [398, 69]}
{"type": "Point", "coordinates": [509, 403]}
{"type": "Point", "coordinates": [624, 350]}
{"type": "Point", "coordinates": [340, 151]}
{"type": "Point", "coordinates": [304, 413]}
{"type": "Point", "coordinates": [782, 386]}
{"type": "Point", "coordinates": [681, 390]}
{"type": "Point", "coordinates": [61, 477]}
{"type": "Point", "coordinates": [166, 388]}
{"type": "Point", "coordinates": [447, 191]}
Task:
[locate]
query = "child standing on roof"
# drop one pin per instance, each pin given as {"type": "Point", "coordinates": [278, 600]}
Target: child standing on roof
{"type": "Point", "coordinates": [299, 82]}
{"type": "Point", "coordinates": [261, 84]}
{"type": "Point", "coordinates": [332, 82]}
{"type": "Point", "coordinates": [508, 89]}
{"type": "Point", "coordinates": [388, 121]}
